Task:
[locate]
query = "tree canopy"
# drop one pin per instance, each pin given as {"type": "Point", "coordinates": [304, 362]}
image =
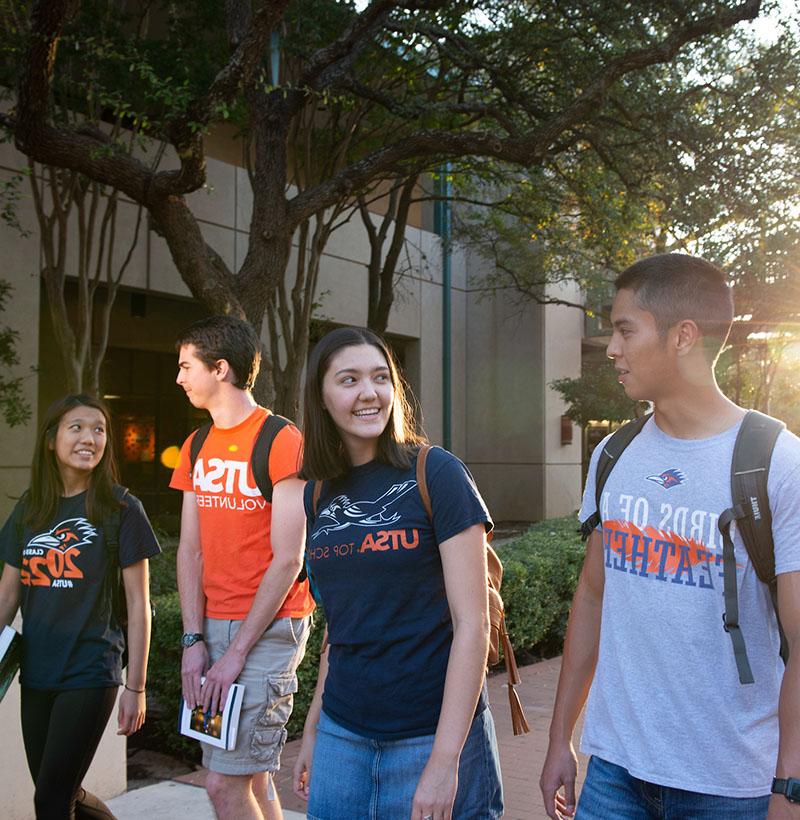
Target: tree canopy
{"type": "Point", "coordinates": [333, 103]}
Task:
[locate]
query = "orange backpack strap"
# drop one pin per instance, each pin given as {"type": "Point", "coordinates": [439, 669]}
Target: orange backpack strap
{"type": "Point", "coordinates": [422, 484]}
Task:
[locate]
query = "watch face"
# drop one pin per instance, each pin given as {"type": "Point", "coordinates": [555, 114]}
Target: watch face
{"type": "Point", "coordinates": [190, 639]}
{"type": "Point", "coordinates": [793, 790]}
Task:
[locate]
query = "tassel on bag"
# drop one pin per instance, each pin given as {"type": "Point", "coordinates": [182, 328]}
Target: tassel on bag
{"type": "Point", "coordinates": [519, 722]}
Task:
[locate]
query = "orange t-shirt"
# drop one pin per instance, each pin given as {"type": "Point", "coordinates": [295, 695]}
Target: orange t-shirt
{"type": "Point", "coordinates": [234, 517]}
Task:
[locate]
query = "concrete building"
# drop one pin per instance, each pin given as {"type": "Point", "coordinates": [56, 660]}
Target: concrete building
{"type": "Point", "coordinates": [504, 421]}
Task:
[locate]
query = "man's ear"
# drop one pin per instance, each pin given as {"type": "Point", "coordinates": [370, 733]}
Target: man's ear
{"type": "Point", "coordinates": [222, 370]}
{"type": "Point", "coordinates": [687, 337]}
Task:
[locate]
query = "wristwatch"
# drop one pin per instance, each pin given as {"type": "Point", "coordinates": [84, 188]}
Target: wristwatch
{"type": "Point", "coordinates": [789, 787]}
{"type": "Point", "coordinates": [191, 638]}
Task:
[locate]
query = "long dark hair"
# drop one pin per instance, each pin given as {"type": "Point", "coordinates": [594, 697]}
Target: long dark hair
{"type": "Point", "coordinates": [324, 455]}
{"type": "Point", "coordinates": [41, 500]}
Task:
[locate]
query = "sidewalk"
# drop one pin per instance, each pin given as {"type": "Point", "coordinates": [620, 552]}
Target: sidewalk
{"type": "Point", "coordinates": [521, 760]}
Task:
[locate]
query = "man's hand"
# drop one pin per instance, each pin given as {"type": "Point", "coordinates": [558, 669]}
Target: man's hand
{"type": "Point", "coordinates": [560, 770]}
{"type": "Point", "coordinates": [193, 664]}
{"type": "Point", "coordinates": [219, 678]}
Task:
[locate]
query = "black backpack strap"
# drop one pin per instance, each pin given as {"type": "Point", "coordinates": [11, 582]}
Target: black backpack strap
{"type": "Point", "coordinates": [196, 444]}
{"type": "Point", "coordinates": [260, 457]}
{"type": "Point", "coordinates": [112, 521]}
{"type": "Point", "coordinates": [752, 454]}
{"type": "Point", "coordinates": [611, 452]}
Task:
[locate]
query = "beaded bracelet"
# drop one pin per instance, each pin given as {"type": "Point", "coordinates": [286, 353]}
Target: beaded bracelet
{"type": "Point", "coordinates": [138, 691]}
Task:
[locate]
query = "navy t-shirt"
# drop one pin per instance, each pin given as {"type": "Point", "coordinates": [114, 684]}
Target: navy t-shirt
{"type": "Point", "coordinates": [374, 557]}
{"type": "Point", "coordinates": [70, 639]}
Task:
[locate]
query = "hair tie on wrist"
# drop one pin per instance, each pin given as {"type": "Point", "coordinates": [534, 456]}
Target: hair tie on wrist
{"type": "Point", "coordinates": [138, 691]}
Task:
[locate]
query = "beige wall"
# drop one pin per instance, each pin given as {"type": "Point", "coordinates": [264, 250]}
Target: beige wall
{"type": "Point", "coordinates": [513, 423]}
{"type": "Point", "coordinates": [561, 347]}
{"type": "Point", "coordinates": [20, 267]}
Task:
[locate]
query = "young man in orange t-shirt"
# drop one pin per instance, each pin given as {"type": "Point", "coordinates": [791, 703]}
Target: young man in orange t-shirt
{"type": "Point", "coordinates": [245, 614]}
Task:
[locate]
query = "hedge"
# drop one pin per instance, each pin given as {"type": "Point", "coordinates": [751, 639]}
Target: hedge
{"type": "Point", "coordinates": [540, 572]}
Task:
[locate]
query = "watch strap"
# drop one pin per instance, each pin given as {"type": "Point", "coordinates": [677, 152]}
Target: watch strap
{"type": "Point", "coordinates": [789, 787]}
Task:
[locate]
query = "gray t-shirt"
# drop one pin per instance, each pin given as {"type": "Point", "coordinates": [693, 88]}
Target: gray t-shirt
{"type": "Point", "coordinates": [666, 703]}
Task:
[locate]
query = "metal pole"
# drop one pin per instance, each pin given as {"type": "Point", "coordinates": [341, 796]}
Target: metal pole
{"type": "Point", "coordinates": [447, 355]}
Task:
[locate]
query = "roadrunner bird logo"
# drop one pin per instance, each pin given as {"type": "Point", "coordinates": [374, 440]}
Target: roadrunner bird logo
{"type": "Point", "coordinates": [669, 478]}
{"type": "Point", "coordinates": [74, 532]}
{"type": "Point", "coordinates": [342, 512]}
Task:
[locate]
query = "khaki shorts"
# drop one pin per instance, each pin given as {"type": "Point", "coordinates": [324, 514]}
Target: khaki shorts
{"type": "Point", "coordinates": [269, 681]}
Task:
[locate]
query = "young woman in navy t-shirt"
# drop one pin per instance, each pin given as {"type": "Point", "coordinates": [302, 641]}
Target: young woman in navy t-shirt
{"type": "Point", "coordinates": [55, 547]}
{"type": "Point", "coordinates": [399, 726]}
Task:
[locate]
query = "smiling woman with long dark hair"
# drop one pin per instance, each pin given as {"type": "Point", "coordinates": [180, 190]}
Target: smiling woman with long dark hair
{"type": "Point", "coordinates": [399, 725]}
{"type": "Point", "coordinates": [62, 547]}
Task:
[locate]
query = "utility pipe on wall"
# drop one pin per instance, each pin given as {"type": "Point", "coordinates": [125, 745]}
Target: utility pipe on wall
{"type": "Point", "coordinates": [443, 227]}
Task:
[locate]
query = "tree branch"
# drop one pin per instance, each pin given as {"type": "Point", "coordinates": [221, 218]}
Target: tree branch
{"type": "Point", "coordinates": [530, 149]}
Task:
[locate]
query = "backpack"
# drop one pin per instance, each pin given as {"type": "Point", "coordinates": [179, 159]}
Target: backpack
{"type": "Point", "coordinates": [498, 635]}
{"type": "Point", "coordinates": [752, 453]}
{"type": "Point", "coordinates": [259, 457]}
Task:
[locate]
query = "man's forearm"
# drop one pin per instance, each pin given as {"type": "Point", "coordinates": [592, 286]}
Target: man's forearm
{"type": "Point", "coordinates": [190, 588]}
{"type": "Point", "coordinates": [579, 660]}
{"type": "Point", "coordinates": [577, 668]}
{"type": "Point", "coordinates": [789, 717]}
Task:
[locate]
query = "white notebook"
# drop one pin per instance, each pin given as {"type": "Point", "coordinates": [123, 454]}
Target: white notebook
{"type": "Point", "coordinates": [217, 730]}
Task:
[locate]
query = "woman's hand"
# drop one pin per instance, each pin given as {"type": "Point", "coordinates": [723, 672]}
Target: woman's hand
{"type": "Point", "coordinates": [301, 774]}
{"type": "Point", "coordinates": [436, 791]}
{"type": "Point", "coordinates": [132, 709]}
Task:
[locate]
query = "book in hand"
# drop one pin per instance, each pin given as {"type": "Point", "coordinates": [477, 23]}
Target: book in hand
{"type": "Point", "coordinates": [10, 657]}
{"type": "Point", "coordinates": [217, 730]}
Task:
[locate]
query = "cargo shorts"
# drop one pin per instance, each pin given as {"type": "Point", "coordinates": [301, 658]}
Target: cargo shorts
{"type": "Point", "coordinates": [270, 681]}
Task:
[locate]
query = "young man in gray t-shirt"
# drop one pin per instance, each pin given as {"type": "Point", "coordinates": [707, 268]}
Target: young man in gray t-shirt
{"type": "Point", "coordinates": [670, 730]}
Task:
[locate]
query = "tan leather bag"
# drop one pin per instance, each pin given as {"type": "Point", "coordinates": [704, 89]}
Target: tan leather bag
{"type": "Point", "coordinates": [498, 635]}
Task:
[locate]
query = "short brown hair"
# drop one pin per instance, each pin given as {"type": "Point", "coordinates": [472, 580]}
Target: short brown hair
{"type": "Point", "coordinates": [324, 455]}
{"type": "Point", "coordinates": [229, 338]}
{"type": "Point", "coordinates": [676, 286]}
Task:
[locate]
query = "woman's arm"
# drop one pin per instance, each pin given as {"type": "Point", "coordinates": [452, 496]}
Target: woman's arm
{"type": "Point", "coordinates": [302, 766]}
{"type": "Point", "coordinates": [132, 705]}
{"type": "Point", "coordinates": [464, 565]}
{"type": "Point", "coordinates": [10, 591]}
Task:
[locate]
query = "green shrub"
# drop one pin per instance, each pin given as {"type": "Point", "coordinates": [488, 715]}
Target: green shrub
{"type": "Point", "coordinates": [541, 570]}
{"type": "Point", "coordinates": [540, 573]}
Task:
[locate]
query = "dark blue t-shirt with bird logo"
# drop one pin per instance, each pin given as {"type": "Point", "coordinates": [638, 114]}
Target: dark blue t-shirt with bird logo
{"type": "Point", "coordinates": [70, 638]}
{"type": "Point", "coordinates": [373, 555]}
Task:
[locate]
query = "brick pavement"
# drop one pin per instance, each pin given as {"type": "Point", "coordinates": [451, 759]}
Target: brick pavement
{"type": "Point", "coordinates": [521, 757]}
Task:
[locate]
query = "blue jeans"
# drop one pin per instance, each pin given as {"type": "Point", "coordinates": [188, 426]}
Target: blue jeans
{"type": "Point", "coordinates": [610, 791]}
{"type": "Point", "coordinates": [356, 777]}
